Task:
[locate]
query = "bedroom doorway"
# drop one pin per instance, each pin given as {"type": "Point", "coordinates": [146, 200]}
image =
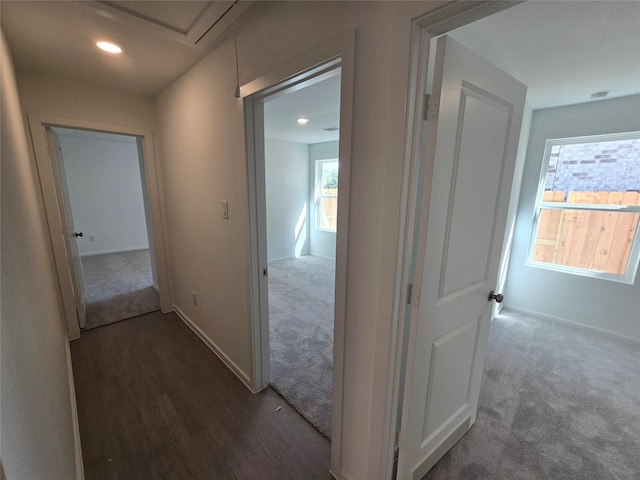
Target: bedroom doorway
{"type": "Point", "coordinates": [102, 177]}
{"type": "Point", "coordinates": [301, 139]}
{"type": "Point", "coordinates": [333, 60]}
{"type": "Point", "coordinates": [58, 210]}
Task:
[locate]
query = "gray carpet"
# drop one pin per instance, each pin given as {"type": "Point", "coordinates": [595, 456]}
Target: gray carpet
{"type": "Point", "coordinates": [118, 286]}
{"type": "Point", "coordinates": [301, 305]}
{"type": "Point", "coordinates": [557, 402]}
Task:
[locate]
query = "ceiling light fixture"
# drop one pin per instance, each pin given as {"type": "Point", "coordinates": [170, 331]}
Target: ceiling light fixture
{"type": "Point", "coordinates": [109, 47]}
{"type": "Point", "coordinates": [302, 120]}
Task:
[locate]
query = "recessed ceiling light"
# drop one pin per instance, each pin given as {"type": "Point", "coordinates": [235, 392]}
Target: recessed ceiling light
{"type": "Point", "coordinates": [109, 47]}
{"type": "Point", "coordinates": [600, 94]}
{"type": "Point", "coordinates": [302, 120]}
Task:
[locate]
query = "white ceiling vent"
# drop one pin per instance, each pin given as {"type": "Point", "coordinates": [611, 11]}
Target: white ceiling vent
{"type": "Point", "coordinates": [195, 23]}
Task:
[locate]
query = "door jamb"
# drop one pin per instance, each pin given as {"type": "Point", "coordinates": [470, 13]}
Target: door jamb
{"type": "Point", "coordinates": [339, 52]}
{"type": "Point", "coordinates": [414, 178]}
{"type": "Point", "coordinates": [48, 187]}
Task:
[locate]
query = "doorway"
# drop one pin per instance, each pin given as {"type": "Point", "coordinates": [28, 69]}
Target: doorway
{"type": "Point", "coordinates": [441, 29]}
{"type": "Point", "coordinates": [102, 176]}
{"type": "Point", "coordinates": [62, 235]}
{"type": "Point", "coordinates": [301, 139]}
{"type": "Point", "coordinates": [317, 65]}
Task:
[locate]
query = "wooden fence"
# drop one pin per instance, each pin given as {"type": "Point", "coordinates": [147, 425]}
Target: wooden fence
{"type": "Point", "coordinates": [329, 207]}
{"type": "Point", "coordinates": [594, 240]}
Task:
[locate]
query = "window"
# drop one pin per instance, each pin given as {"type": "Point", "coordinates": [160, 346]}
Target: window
{"type": "Point", "coordinates": [326, 195]}
{"type": "Point", "coordinates": [588, 207]}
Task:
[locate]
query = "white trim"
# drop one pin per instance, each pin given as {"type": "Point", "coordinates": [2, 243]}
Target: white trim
{"type": "Point", "coordinates": [320, 63]}
{"type": "Point", "coordinates": [407, 229]}
{"type": "Point", "coordinates": [581, 326]}
{"type": "Point", "coordinates": [74, 414]}
{"type": "Point", "coordinates": [117, 250]}
{"type": "Point", "coordinates": [244, 378]}
{"type": "Point", "coordinates": [414, 199]}
{"type": "Point", "coordinates": [37, 124]}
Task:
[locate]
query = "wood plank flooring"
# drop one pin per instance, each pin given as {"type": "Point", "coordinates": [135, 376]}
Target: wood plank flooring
{"type": "Point", "coordinates": [155, 403]}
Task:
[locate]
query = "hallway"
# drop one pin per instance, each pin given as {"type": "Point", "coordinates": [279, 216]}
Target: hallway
{"type": "Point", "coordinates": [154, 402]}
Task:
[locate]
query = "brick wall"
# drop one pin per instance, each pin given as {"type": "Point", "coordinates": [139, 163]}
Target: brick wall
{"type": "Point", "coordinates": [602, 166]}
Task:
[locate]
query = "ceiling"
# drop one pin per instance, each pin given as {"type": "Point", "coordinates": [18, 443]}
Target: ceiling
{"type": "Point", "coordinates": [319, 103]}
{"type": "Point", "coordinates": [160, 39]}
{"type": "Point", "coordinates": [563, 50]}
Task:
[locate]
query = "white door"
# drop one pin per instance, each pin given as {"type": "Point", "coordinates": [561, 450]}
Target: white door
{"type": "Point", "coordinates": [472, 149]}
{"type": "Point", "coordinates": [71, 262]}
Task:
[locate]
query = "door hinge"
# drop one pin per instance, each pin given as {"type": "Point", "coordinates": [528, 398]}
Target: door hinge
{"type": "Point", "coordinates": [413, 295]}
{"type": "Point", "coordinates": [431, 106]}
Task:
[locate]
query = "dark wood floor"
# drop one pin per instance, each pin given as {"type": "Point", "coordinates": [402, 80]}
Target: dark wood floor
{"type": "Point", "coordinates": [155, 403]}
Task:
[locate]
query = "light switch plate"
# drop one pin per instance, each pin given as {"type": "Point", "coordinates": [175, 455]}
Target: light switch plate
{"type": "Point", "coordinates": [225, 210]}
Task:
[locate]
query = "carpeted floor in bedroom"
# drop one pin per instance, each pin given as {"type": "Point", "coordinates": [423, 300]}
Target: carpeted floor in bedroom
{"type": "Point", "coordinates": [557, 402]}
{"type": "Point", "coordinates": [118, 286]}
{"type": "Point", "coordinates": [301, 305]}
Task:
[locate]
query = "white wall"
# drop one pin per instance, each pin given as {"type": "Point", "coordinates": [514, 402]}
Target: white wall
{"type": "Point", "coordinates": [105, 189]}
{"type": "Point", "coordinates": [206, 163]}
{"type": "Point", "coordinates": [610, 306]}
{"type": "Point", "coordinates": [53, 96]}
{"type": "Point", "coordinates": [36, 437]}
{"type": "Point", "coordinates": [287, 195]}
{"type": "Point", "coordinates": [323, 243]}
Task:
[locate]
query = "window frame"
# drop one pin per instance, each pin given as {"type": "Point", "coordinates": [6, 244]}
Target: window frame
{"type": "Point", "coordinates": [319, 195]}
{"type": "Point", "coordinates": [540, 204]}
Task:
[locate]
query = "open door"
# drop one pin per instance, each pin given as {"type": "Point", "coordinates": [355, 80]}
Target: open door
{"type": "Point", "coordinates": [71, 263]}
{"type": "Point", "coordinates": [474, 126]}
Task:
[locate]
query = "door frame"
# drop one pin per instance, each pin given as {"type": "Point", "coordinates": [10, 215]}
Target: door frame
{"type": "Point", "coordinates": [414, 200]}
{"type": "Point", "coordinates": [49, 188]}
{"type": "Point", "coordinates": [303, 70]}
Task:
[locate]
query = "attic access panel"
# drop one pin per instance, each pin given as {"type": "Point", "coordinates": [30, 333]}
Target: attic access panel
{"type": "Point", "coordinates": [188, 22]}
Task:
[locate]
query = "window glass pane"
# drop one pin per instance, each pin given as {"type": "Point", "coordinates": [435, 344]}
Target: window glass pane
{"type": "Point", "coordinates": [328, 213]}
{"type": "Point", "coordinates": [327, 196]}
{"type": "Point", "coordinates": [594, 240]}
{"type": "Point", "coordinates": [329, 184]}
{"type": "Point", "coordinates": [608, 166]}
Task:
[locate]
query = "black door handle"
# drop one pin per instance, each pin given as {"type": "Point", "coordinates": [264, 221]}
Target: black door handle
{"type": "Point", "coordinates": [498, 297]}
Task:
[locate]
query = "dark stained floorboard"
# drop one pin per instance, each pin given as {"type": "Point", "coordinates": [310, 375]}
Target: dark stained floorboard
{"type": "Point", "coordinates": [155, 403]}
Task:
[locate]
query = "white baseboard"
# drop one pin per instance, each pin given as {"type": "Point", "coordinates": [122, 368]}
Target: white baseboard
{"type": "Point", "coordinates": [244, 378]}
{"type": "Point", "coordinates": [340, 476]}
{"type": "Point", "coordinates": [117, 250]}
{"type": "Point", "coordinates": [553, 318]}
{"type": "Point", "coordinates": [333, 259]}
{"type": "Point", "coordinates": [74, 415]}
